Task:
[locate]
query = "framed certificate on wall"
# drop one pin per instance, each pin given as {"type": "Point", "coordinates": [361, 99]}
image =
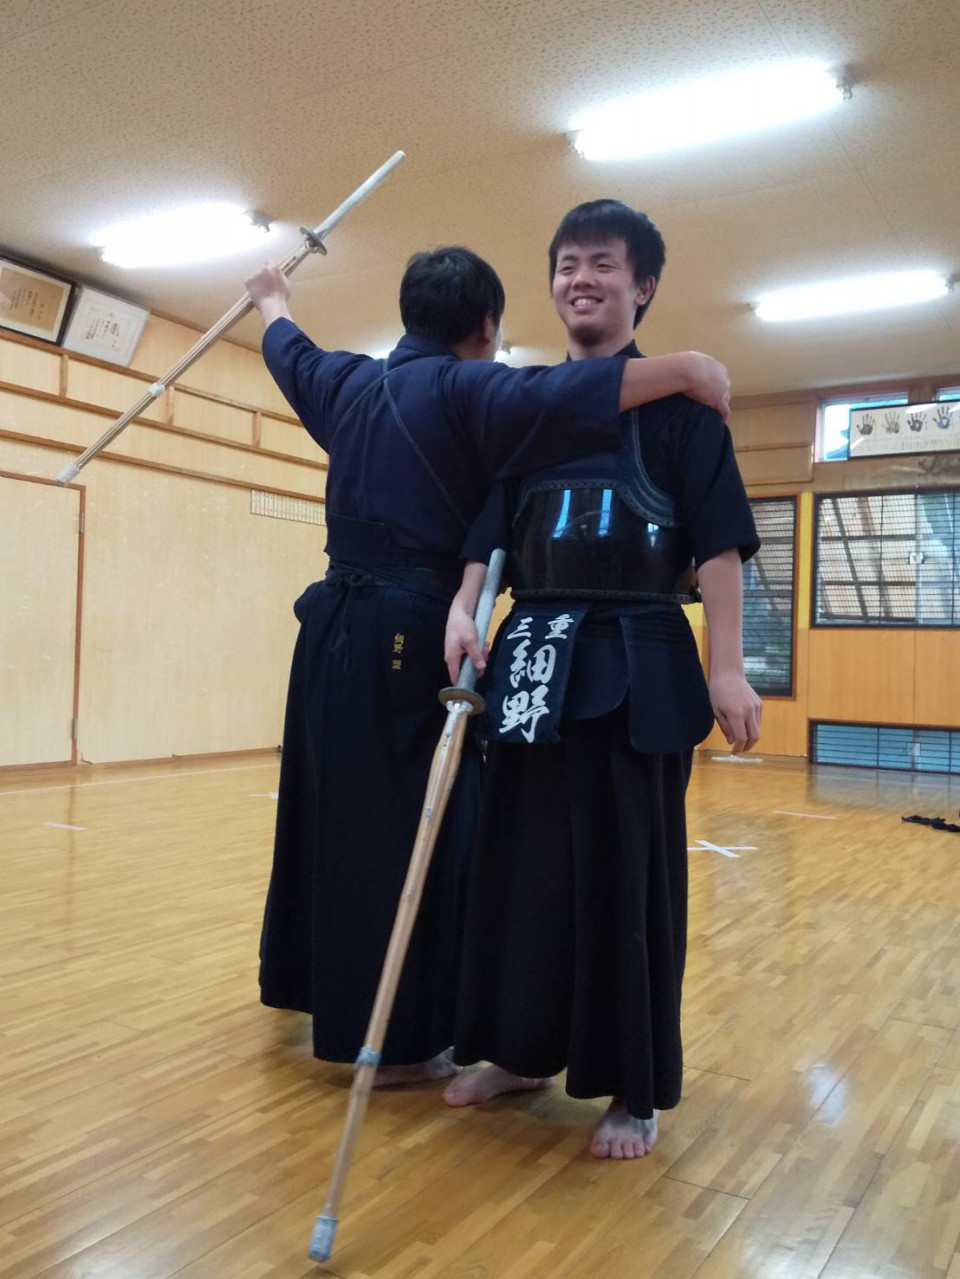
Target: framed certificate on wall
{"type": "Point", "coordinates": [32, 302]}
{"type": "Point", "coordinates": [105, 327]}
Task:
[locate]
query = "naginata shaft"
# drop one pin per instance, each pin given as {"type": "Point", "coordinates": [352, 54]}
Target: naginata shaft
{"type": "Point", "coordinates": [313, 241]}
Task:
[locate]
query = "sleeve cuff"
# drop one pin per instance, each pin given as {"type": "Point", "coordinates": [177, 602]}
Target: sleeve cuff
{"type": "Point", "coordinates": [747, 549]}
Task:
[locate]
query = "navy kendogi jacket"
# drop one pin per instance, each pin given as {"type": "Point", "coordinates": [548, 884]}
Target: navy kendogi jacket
{"type": "Point", "coordinates": [415, 453]}
{"type": "Point", "coordinates": [603, 553]}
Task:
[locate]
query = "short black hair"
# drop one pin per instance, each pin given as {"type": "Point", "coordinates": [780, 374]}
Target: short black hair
{"type": "Point", "coordinates": [598, 221]}
{"type": "Point", "coordinates": [446, 294]}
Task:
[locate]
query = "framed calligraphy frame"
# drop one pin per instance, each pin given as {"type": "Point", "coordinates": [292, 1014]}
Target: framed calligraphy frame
{"type": "Point", "coordinates": [33, 303]}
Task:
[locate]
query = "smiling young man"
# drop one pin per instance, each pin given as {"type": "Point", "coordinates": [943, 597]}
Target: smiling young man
{"type": "Point", "coordinates": [576, 928]}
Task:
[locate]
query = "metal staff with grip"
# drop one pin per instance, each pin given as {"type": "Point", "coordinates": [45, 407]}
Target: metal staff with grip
{"type": "Point", "coordinates": [312, 243]}
{"type": "Point", "coordinates": [461, 702]}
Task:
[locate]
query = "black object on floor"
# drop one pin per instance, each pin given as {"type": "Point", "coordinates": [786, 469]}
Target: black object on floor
{"type": "Point", "coordinates": [938, 823]}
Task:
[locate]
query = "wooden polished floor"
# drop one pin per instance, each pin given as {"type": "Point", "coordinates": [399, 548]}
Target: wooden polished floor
{"type": "Point", "coordinates": [156, 1121]}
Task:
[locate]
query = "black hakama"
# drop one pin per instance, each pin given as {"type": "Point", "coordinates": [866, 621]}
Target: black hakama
{"type": "Point", "coordinates": [576, 929]}
{"type": "Point", "coordinates": [361, 727]}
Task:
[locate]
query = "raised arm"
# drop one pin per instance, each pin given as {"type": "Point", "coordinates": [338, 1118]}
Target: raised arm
{"type": "Point", "coordinates": [302, 370]}
{"type": "Point", "coordinates": [269, 290]}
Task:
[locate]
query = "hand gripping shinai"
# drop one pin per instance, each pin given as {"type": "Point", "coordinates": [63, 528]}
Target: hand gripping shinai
{"type": "Point", "coordinates": [312, 243]}
{"type": "Point", "coordinates": [461, 702]}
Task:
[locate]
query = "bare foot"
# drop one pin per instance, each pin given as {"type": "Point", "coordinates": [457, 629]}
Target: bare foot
{"type": "Point", "coordinates": [621, 1136]}
{"type": "Point", "coordinates": [439, 1067]}
{"type": "Point", "coordinates": [483, 1085]}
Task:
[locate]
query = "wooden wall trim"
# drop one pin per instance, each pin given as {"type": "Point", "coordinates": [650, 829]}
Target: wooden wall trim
{"type": "Point", "coordinates": [80, 563]}
{"type": "Point", "coordinates": [774, 400]}
{"type": "Point", "coordinates": [84, 768]}
{"type": "Point", "coordinates": [920, 385]}
{"type": "Point", "coordinates": [771, 448]}
{"type": "Point", "coordinates": [38, 344]}
{"type": "Point", "coordinates": [40, 441]}
{"type": "Point", "coordinates": [195, 328]}
{"type": "Point", "coordinates": [776, 490]}
{"type": "Point", "coordinates": [48, 397]}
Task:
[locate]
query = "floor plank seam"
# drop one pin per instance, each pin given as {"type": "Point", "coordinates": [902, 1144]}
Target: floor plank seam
{"type": "Point", "coordinates": [144, 1152]}
{"type": "Point", "coordinates": [199, 1186]}
{"type": "Point", "coordinates": [713, 1190]}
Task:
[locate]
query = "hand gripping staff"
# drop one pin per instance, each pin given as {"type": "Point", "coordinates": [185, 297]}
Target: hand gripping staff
{"type": "Point", "coordinates": [312, 243]}
{"type": "Point", "coordinates": [461, 702]}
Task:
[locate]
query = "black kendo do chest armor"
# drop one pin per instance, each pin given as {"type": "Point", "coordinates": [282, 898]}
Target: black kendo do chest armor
{"type": "Point", "coordinates": [599, 528]}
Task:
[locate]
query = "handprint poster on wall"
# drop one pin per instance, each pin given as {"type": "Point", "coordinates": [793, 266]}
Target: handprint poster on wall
{"type": "Point", "coordinates": [912, 428]}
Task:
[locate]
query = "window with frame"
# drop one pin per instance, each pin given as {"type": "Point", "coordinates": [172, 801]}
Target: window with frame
{"type": "Point", "coordinates": [888, 559]}
{"type": "Point", "coordinates": [768, 598]}
{"type": "Point", "coordinates": [833, 438]}
{"type": "Point", "coordinates": [916, 750]}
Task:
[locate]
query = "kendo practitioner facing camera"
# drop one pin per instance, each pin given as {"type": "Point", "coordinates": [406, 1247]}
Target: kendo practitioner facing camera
{"type": "Point", "coordinates": [414, 442]}
{"type": "Point", "coordinates": [577, 916]}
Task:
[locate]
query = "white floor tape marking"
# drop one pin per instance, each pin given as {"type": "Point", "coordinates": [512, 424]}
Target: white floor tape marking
{"type": "Point", "coordinates": [704, 846]}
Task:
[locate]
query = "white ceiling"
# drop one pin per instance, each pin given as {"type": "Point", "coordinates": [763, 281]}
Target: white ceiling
{"type": "Point", "coordinates": [113, 108]}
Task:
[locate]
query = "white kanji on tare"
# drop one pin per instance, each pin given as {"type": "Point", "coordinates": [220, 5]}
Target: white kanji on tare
{"type": "Point", "coordinates": [519, 663]}
{"type": "Point", "coordinates": [557, 629]}
{"type": "Point", "coordinates": [525, 709]}
{"type": "Point", "coordinates": [527, 706]}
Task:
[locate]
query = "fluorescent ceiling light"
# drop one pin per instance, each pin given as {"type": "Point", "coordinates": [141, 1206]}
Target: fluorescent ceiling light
{"type": "Point", "coordinates": [701, 111]}
{"type": "Point", "coordinates": [196, 233]}
{"type": "Point", "coordinates": [844, 297]}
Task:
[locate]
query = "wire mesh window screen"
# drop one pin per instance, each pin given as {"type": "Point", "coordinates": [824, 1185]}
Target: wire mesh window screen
{"type": "Point", "coordinates": [888, 559]}
{"type": "Point", "coordinates": [768, 594]}
{"type": "Point", "coordinates": [917, 750]}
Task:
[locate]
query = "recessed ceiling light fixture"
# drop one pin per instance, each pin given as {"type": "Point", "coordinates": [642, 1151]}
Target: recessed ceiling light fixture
{"type": "Point", "coordinates": [703, 111]}
{"type": "Point", "coordinates": [179, 237]}
{"type": "Point", "coordinates": [845, 297]}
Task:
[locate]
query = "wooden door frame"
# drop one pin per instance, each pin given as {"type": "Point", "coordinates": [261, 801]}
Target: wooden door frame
{"type": "Point", "coordinates": [75, 727]}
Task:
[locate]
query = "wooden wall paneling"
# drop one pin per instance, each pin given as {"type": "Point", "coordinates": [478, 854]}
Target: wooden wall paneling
{"type": "Point", "coordinates": [229, 370]}
{"type": "Point", "coordinates": [784, 728]}
{"type": "Point", "coordinates": [925, 470]}
{"type": "Point", "coordinates": [937, 674]}
{"type": "Point", "coordinates": [188, 621]}
{"type": "Point", "coordinates": [211, 418]}
{"type": "Point", "coordinates": [109, 389]}
{"type": "Point", "coordinates": [777, 465]}
{"type": "Point", "coordinates": [79, 427]}
{"type": "Point", "coordinates": [39, 619]}
{"type": "Point", "coordinates": [863, 676]}
{"type": "Point", "coordinates": [206, 456]}
{"type": "Point", "coordinates": [285, 437]}
{"type": "Point", "coordinates": [785, 424]}
{"type": "Point", "coordinates": [27, 366]}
